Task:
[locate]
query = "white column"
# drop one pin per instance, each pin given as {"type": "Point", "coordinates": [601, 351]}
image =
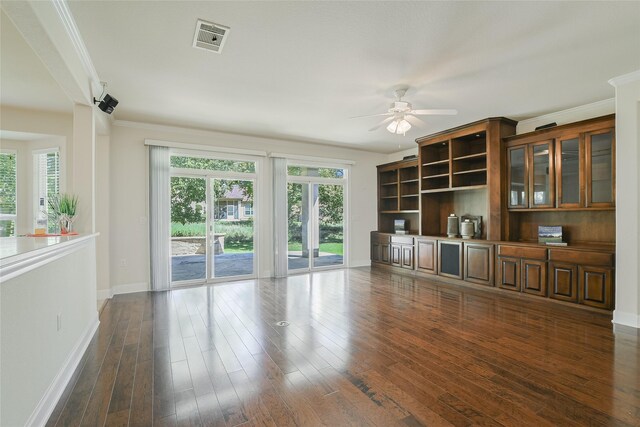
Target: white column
{"type": "Point", "coordinates": [627, 310]}
{"type": "Point", "coordinates": [84, 185]}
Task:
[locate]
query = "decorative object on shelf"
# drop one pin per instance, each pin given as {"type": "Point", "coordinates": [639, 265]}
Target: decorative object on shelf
{"type": "Point", "coordinates": [62, 210]}
{"type": "Point", "coordinates": [467, 229]}
{"type": "Point", "coordinates": [401, 226]}
{"type": "Point", "coordinates": [547, 126]}
{"type": "Point", "coordinates": [549, 234]}
{"type": "Point", "coordinates": [452, 226]}
{"type": "Point", "coordinates": [477, 224]}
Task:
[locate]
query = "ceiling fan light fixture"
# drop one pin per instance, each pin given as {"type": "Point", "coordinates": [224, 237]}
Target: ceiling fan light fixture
{"type": "Point", "coordinates": [399, 126]}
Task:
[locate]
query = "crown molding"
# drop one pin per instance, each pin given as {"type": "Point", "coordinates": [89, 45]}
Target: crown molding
{"type": "Point", "coordinates": [582, 112]}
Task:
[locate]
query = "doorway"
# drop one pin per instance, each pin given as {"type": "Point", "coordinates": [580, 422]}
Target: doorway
{"type": "Point", "coordinates": [316, 222]}
{"type": "Point", "coordinates": [212, 221]}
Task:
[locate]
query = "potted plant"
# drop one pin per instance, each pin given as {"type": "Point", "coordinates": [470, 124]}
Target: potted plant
{"type": "Point", "coordinates": [62, 210]}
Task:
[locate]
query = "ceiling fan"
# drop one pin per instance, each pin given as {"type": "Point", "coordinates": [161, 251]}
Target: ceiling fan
{"type": "Point", "coordinates": [402, 115]}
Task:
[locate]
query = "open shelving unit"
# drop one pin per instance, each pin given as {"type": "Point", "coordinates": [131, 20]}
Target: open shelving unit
{"type": "Point", "coordinates": [398, 194]}
{"type": "Point", "coordinates": [456, 168]}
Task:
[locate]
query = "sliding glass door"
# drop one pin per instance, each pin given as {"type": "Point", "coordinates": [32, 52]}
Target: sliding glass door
{"type": "Point", "coordinates": [231, 249]}
{"type": "Point", "coordinates": [316, 206]}
{"type": "Point", "coordinates": [212, 220]}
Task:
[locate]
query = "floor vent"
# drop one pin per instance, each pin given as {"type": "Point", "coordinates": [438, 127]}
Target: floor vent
{"type": "Point", "coordinates": [210, 36]}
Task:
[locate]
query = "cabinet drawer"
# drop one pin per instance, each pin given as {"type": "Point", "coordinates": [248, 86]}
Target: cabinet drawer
{"type": "Point", "coordinates": [522, 252]}
{"type": "Point", "coordinates": [581, 257]}
{"type": "Point", "coordinates": [379, 238]}
{"type": "Point", "coordinates": [403, 240]}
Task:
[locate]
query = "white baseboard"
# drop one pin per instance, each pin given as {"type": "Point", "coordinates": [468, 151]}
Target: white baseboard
{"type": "Point", "coordinates": [102, 294]}
{"type": "Point", "coordinates": [47, 404]}
{"type": "Point", "coordinates": [627, 319]}
{"type": "Point", "coordinates": [127, 288]}
{"type": "Point", "coordinates": [360, 263]}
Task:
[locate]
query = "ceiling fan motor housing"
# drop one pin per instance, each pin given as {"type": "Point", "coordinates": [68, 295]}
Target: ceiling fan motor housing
{"type": "Point", "coordinates": [400, 107]}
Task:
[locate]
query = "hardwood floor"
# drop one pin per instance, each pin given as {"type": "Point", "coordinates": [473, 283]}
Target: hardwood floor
{"type": "Point", "coordinates": [362, 348]}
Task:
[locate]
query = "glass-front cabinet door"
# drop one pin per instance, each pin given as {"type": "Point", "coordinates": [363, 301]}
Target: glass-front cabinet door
{"type": "Point", "coordinates": [570, 172]}
{"type": "Point", "coordinates": [517, 177]}
{"type": "Point", "coordinates": [600, 166]}
{"type": "Point", "coordinates": [541, 176]}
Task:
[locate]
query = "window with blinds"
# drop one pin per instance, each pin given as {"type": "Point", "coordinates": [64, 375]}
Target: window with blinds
{"type": "Point", "coordinates": [8, 193]}
{"type": "Point", "coordinates": [47, 181]}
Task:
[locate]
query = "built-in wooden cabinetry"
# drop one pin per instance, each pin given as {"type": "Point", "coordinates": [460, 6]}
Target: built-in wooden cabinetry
{"type": "Point", "coordinates": [563, 176]}
{"type": "Point", "coordinates": [460, 171]}
{"type": "Point", "coordinates": [398, 194]}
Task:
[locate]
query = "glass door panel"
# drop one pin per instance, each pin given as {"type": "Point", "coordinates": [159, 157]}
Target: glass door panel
{"type": "Point", "coordinates": [517, 178]}
{"type": "Point", "coordinates": [541, 177]}
{"type": "Point", "coordinates": [329, 225]}
{"type": "Point", "coordinates": [601, 168]}
{"type": "Point", "coordinates": [299, 221]}
{"type": "Point", "coordinates": [188, 229]}
{"type": "Point", "coordinates": [570, 155]}
{"type": "Point", "coordinates": [231, 238]}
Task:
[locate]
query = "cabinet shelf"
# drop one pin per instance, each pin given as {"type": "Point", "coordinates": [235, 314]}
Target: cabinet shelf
{"type": "Point", "coordinates": [400, 211]}
{"type": "Point", "coordinates": [470, 171]}
{"type": "Point", "coordinates": [410, 195]}
{"type": "Point", "coordinates": [467, 187]}
{"type": "Point", "coordinates": [471, 156]}
{"type": "Point", "coordinates": [389, 183]}
{"type": "Point", "coordinates": [436, 176]}
{"type": "Point", "coordinates": [439, 162]}
{"type": "Point", "coordinates": [389, 197]}
{"type": "Point", "coordinates": [407, 181]}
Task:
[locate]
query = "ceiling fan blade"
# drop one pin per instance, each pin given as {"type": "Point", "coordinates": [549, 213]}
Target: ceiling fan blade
{"type": "Point", "coordinates": [414, 120]}
{"type": "Point", "coordinates": [382, 123]}
{"type": "Point", "coordinates": [434, 112]}
{"type": "Point", "coordinates": [372, 115]}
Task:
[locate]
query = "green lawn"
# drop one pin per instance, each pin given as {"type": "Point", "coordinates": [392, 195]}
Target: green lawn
{"type": "Point", "coordinates": [233, 247]}
{"type": "Point", "coordinates": [332, 248]}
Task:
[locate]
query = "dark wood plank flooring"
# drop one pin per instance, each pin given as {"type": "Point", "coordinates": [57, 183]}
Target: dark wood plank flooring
{"type": "Point", "coordinates": [362, 348]}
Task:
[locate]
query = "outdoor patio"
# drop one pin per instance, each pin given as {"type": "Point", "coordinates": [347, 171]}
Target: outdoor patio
{"type": "Point", "coordinates": [192, 267]}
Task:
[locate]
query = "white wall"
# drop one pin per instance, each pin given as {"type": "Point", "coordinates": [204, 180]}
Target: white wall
{"type": "Point", "coordinates": [129, 210]}
{"type": "Point", "coordinates": [36, 357]}
{"type": "Point", "coordinates": [627, 310]}
{"type": "Point", "coordinates": [103, 190]}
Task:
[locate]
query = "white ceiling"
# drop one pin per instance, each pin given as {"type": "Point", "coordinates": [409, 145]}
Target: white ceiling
{"type": "Point", "coordinates": [299, 70]}
{"type": "Point", "coordinates": [24, 80]}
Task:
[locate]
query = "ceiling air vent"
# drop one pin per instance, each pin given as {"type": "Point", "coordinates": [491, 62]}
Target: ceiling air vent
{"type": "Point", "coordinates": [210, 36]}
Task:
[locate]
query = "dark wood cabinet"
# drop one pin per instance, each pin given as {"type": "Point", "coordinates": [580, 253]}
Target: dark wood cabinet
{"type": "Point", "coordinates": [595, 286]}
{"type": "Point", "coordinates": [380, 248]}
{"type": "Point", "coordinates": [478, 263]}
{"type": "Point", "coordinates": [579, 175]}
{"type": "Point", "coordinates": [402, 251]}
{"type": "Point", "coordinates": [396, 255]}
{"type": "Point", "coordinates": [450, 259]}
{"type": "Point", "coordinates": [560, 175]}
{"type": "Point", "coordinates": [522, 269]}
{"type": "Point", "coordinates": [508, 276]}
{"type": "Point", "coordinates": [563, 280]}
{"type": "Point", "coordinates": [534, 277]}
{"type": "Point", "coordinates": [427, 256]}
